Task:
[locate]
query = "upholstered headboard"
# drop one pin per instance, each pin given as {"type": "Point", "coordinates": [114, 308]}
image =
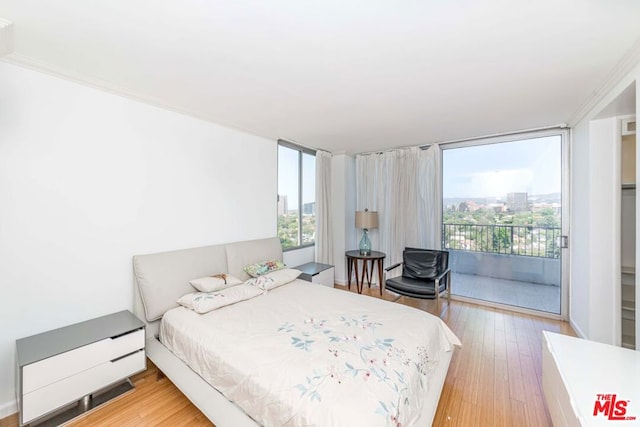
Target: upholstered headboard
{"type": "Point", "coordinates": [162, 278]}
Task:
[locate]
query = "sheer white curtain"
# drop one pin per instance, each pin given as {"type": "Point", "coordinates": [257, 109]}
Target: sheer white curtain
{"type": "Point", "coordinates": [430, 191]}
{"type": "Point", "coordinates": [324, 235]}
{"type": "Point", "coordinates": [404, 187]}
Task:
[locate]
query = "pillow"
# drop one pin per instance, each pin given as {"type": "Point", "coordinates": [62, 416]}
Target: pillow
{"type": "Point", "coordinates": [215, 282]}
{"type": "Point", "coordinates": [255, 270]}
{"type": "Point", "coordinates": [204, 302]}
{"type": "Point", "coordinates": [274, 279]}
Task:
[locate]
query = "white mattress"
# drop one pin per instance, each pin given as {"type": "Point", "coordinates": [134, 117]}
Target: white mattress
{"type": "Point", "coordinates": [308, 355]}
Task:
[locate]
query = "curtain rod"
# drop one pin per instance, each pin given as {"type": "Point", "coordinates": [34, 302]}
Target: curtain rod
{"type": "Point", "coordinates": [474, 138]}
{"type": "Point", "coordinates": [496, 135]}
{"type": "Point", "coordinates": [297, 146]}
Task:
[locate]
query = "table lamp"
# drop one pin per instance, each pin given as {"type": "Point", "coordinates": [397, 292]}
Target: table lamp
{"type": "Point", "coordinates": [366, 220]}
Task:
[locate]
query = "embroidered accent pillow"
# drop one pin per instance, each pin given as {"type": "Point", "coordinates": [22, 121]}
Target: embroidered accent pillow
{"type": "Point", "coordinates": [215, 282]}
{"type": "Point", "coordinates": [204, 302]}
{"type": "Point", "coordinates": [274, 279]}
{"type": "Point", "coordinates": [255, 270]}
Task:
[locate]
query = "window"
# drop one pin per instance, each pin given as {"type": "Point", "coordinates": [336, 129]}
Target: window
{"type": "Point", "coordinates": [502, 218]}
{"type": "Point", "coordinates": [296, 195]}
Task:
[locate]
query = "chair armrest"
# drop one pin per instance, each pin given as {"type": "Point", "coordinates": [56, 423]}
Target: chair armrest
{"type": "Point", "coordinates": [441, 275]}
{"type": "Point", "coordinates": [393, 266]}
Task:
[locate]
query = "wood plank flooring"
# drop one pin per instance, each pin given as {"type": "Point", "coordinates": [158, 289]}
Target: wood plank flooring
{"type": "Point", "coordinates": [494, 380]}
{"type": "Point", "coordinates": [153, 402]}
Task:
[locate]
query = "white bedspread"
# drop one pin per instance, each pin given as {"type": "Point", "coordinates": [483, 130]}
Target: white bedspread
{"type": "Point", "coordinates": [308, 355]}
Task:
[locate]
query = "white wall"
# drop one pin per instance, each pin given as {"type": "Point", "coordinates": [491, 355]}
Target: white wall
{"type": "Point", "coordinates": [299, 256]}
{"type": "Point", "coordinates": [604, 184]}
{"type": "Point", "coordinates": [579, 236]}
{"type": "Point", "coordinates": [88, 179]}
{"type": "Point", "coordinates": [594, 298]}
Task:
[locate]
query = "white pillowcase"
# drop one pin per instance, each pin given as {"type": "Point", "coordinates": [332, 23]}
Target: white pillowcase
{"type": "Point", "coordinates": [215, 282]}
{"type": "Point", "coordinates": [274, 279]}
{"type": "Point", "coordinates": [204, 302]}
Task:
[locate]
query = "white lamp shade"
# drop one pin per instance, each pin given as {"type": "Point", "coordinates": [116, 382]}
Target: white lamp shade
{"type": "Point", "coordinates": [366, 219]}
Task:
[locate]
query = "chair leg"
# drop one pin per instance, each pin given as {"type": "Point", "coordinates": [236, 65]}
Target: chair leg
{"type": "Point", "coordinates": [437, 290]}
{"type": "Point", "coordinates": [449, 288]}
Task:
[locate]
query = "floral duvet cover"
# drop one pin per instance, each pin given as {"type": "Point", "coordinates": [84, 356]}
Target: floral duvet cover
{"type": "Point", "coordinates": [308, 355]}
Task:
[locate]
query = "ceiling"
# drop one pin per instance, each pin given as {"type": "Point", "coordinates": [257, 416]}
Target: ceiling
{"type": "Point", "coordinates": [344, 76]}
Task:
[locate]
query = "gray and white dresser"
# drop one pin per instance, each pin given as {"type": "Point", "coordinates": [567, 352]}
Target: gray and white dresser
{"type": "Point", "coordinates": [66, 371]}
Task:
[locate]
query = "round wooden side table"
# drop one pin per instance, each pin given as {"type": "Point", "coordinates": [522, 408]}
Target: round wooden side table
{"type": "Point", "coordinates": [366, 271]}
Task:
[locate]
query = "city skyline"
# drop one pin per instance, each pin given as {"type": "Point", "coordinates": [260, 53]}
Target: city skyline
{"type": "Point", "coordinates": [533, 198]}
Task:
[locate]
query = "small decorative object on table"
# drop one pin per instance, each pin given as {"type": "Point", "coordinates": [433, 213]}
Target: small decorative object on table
{"type": "Point", "coordinates": [366, 220]}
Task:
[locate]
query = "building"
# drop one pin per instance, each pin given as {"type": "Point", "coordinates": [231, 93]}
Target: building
{"type": "Point", "coordinates": [283, 205]}
{"type": "Point", "coordinates": [517, 202]}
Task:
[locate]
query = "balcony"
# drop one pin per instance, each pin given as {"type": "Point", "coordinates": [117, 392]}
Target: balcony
{"type": "Point", "coordinates": [514, 265]}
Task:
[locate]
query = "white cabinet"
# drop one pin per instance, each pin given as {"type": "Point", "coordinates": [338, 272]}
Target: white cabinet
{"type": "Point", "coordinates": [60, 367]}
{"type": "Point", "coordinates": [316, 272]}
{"type": "Point", "coordinates": [582, 380]}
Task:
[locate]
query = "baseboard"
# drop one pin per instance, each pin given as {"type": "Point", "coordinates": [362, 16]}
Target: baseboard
{"type": "Point", "coordinates": [577, 329]}
{"type": "Point", "coordinates": [8, 408]}
{"type": "Point", "coordinates": [506, 307]}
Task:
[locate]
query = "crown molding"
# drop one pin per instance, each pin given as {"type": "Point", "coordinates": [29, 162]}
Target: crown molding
{"type": "Point", "coordinates": [6, 37]}
{"type": "Point", "coordinates": [628, 62]}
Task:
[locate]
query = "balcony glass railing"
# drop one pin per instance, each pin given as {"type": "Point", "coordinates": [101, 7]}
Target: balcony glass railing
{"type": "Point", "coordinates": [503, 239]}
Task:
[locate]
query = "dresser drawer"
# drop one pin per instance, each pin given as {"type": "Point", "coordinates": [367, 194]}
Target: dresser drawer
{"type": "Point", "coordinates": [46, 399]}
{"type": "Point", "coordinates": [48, 371]}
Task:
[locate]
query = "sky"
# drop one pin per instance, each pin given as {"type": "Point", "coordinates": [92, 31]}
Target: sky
{"type": "Point", "coordinates": [532, 166]}
{"type": "Point", "coordinates": [288, 176]}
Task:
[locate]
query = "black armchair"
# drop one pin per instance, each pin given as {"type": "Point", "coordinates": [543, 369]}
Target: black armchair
{"type": "Point", "coordinates": [423, 272]}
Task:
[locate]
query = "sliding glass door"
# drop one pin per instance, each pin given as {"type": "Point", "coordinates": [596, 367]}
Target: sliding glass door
{"type": "Point", "coordinates": [503, 220]}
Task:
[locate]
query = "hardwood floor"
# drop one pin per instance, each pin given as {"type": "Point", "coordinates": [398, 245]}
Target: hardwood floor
{"type": "Point", "coordinates": [154, 402]}
{"type": "Point", "coordinates": [494, 380]}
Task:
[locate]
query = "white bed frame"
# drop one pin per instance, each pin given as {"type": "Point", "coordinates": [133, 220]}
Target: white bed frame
{"type": "Point", "coordinates": [165, 271]}
{"type": "Point", "coordinates": [207, 399]}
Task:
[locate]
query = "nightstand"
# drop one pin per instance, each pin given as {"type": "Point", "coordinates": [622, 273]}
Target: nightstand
{"type": "Point", "coordinates": [316, 272]}
{"type": "Point", "coordinates": [67, 371]}
{"type": "Point", "coordinates": [352, 265]}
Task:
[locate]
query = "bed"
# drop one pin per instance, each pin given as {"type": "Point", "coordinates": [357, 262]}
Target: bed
{"type": "Point", "coordinates": [296, 354]}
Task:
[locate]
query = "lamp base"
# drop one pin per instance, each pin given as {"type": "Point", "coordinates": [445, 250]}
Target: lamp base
{"type": "Point", "coordinates": [365, 243]}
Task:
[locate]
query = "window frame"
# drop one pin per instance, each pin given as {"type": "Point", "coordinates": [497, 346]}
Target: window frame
{"type": "Point", "coordinates": [301, 150]}
{"type": "Point", "coordinates": [565, 135]}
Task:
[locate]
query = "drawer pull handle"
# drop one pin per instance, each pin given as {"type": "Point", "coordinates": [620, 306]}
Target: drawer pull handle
{"type": "Point", "coordinates": [125, 356]}
{"type": "Point", "coordinates": [115, 337]}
